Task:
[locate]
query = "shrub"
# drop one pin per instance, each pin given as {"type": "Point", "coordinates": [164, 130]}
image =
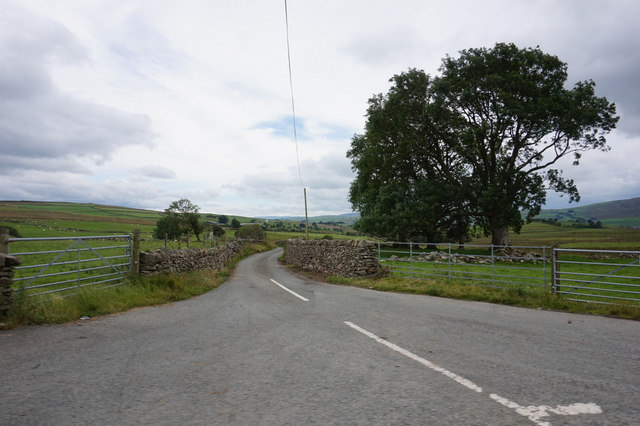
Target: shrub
{"type": "Point", "coordinates": [217, 230]}
{"type": "Point", "coordinates": [169, 225]}
{"type": "Point", "coordinates": [251, 232]}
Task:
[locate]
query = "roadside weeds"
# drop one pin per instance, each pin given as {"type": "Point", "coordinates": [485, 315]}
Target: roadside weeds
{"type": "Point", "coordinates": [465, 291]}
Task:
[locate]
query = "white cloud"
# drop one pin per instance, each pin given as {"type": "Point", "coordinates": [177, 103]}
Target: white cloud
{"type": "Point", "coordinates": [41, 127]}
{"type": "Point", "coordinates": [142, 103]}
{"type": "Point", "coordinates": [156, 172]}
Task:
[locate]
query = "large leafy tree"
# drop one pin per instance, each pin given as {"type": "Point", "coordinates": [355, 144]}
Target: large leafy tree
{"type": "Point", "coordinates": [478, 142]}
{"type": "Point", "coordinates": [400, 190]}
{"type": "Point", "coordinates": [511, 118]}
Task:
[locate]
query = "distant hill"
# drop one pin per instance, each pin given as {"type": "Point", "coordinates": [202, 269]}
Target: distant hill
{"type": "Point", "coordinates": [346, 218]}
{"type": "Point", "coordinates": [625, 213]}
{"type": "Point", "coordinates": [19, 210]}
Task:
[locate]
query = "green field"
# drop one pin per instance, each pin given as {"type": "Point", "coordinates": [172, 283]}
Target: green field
{"type": "Point", "coordinates": [71, 220]}
{"type": "Point", "coordinates": [52, 219]}
{"type": "Point", "coordinates": [567, 236]}
{"type": "Point", "coordinates": [32, 220]}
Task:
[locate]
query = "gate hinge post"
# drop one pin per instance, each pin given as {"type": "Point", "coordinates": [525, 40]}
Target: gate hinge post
{"type": "Point", "coordinates": [135, 253]}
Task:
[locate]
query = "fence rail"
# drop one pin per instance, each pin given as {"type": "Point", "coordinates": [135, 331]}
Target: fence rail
{"type": "Point", "coordinates": [597, 276]}
{"type": "Point", "coordinates": [487, 265]}
{"type": "Point", "coordinates": [66, 264]}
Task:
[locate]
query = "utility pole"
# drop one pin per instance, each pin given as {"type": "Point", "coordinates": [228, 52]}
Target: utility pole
{"type": "Point", "coordinates": [306, 216]}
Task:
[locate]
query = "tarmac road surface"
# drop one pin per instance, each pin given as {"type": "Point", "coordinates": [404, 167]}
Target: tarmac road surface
{"type": "Point", "coordinates": [271, 348]}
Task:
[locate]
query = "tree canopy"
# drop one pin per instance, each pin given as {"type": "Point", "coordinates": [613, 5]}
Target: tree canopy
{"type": "Point", "coordinates": [217, 230]}
{"type": "Point", "coordinates": [393, 189]}
{"type": "Point", "coordinates": [179, 218]}
{"type": "Point", "coordinates": [251, 232]}
{"type": "Point", "coordinates": [477, 143]}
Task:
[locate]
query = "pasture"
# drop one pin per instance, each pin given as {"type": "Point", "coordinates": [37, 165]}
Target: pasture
{"type": "Point", "coordinates": [33, 220]}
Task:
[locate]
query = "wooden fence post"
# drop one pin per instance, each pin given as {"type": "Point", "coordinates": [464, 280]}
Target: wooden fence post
{"type": "Point", "coordinates": [555, 269]}
{"type": "Point", "coordinates": [135, 253]}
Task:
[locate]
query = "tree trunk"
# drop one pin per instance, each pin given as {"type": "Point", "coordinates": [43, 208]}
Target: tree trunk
{"type": "Point", "coordinates": [500, 236]}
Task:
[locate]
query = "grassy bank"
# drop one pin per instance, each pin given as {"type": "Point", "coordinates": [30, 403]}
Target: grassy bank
{"type": "Point", "coordinates": [463, 291]}
{"type": "Point", "coordinates": [138, 292]}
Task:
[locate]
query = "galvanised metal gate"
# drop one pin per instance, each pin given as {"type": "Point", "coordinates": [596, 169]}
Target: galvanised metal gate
{"type": "Point", "coordinates": [65, 264]}
{"type": "Point", "coordinates": [597, 276]}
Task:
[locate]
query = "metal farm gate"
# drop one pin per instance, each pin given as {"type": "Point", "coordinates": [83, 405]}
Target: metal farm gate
{"type": "Point", "coordinates": [65, 264]}
{"type": "Point", "coordinates": [597, 276]}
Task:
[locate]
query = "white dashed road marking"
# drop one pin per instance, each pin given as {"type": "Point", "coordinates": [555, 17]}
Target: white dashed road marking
{"type": "Point", "coordinates": [304, 299]}
{"type": "Point", "coordinates": [532, 412]}
{"type": "Point", "coordinates": [464, 382]}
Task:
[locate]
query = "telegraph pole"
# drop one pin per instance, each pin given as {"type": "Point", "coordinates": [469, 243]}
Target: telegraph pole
{"type": "Point", "coordinates": [306, 216]}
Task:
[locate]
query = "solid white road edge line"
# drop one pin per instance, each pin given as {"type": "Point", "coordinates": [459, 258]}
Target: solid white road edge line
{"type": "Point", "coordinates": [532, 412]}
{"type": "Point", "coordinates": [304, 299]}
{"type": "Point", "coordinates": [461, 380]}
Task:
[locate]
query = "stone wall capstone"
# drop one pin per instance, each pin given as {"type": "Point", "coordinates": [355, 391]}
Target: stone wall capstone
{"type": "Point", "coordinates": [6, 280]}
{"type": "Point", "coordinates": [164, 261]}
{"type": "Point", "coordinates": [347, 258]}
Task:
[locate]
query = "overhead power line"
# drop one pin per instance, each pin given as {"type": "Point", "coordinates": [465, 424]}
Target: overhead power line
{"type": "Point", "coordinates": [293, 105]}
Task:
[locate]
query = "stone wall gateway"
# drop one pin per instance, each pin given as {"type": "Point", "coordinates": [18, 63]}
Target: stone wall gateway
{"type": "Point", "coordinates": [347, 258]}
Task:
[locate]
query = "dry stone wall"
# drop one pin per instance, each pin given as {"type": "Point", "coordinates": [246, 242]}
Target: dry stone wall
{"type": "Point", "coordinates": [347, 258]}
{"type": "Point", "coordinates": [6, 279]}
{"type": "Point", "coordinates": [163, 261]}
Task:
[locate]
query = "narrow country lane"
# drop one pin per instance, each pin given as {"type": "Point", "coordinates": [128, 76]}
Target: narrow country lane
{"type": "Point", "coordinates": [271, 348]}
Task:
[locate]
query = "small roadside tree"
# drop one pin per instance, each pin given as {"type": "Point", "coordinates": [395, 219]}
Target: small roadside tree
{"type": "Point", "coordinates": [217, 230]}
{"type": "Point", "coordinates": [179, 218]}
{"type": "Point", "coordinates": [251, 232]}
{"type": "Point", "coordinates": [235, 223]}
{"type": "Point", "coordinates": [167, 225]}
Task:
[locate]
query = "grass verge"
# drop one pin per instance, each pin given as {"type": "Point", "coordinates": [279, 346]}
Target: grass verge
{"type": "Point", "coordinates": [138, 292]}
{"type": "Point", "coordinates": [465, 291]}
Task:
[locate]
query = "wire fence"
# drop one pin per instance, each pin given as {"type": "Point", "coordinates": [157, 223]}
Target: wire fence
{"type": "Point", "coordinates": [598, 276]}
{"type": "Point", "coordinates": [487, 265]}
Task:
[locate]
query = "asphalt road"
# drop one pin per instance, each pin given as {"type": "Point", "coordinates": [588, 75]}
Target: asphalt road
{"type": "Point", "coordinates": [251, 352]}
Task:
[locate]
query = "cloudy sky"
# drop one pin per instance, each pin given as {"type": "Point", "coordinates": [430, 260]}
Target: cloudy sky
{"type": "Point", "coordinates": [142, 102]}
